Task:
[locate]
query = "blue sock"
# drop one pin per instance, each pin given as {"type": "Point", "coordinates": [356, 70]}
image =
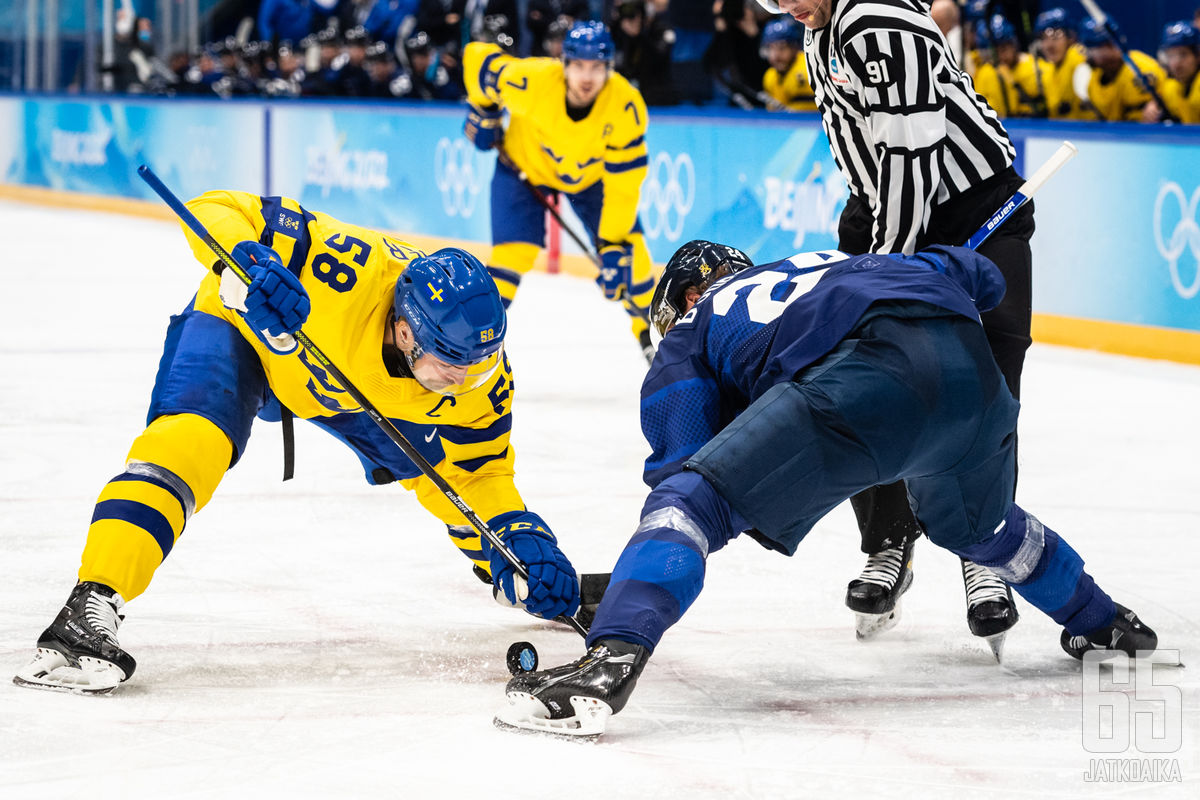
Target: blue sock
{"type": "Point", "coordinates": [1046, 571]}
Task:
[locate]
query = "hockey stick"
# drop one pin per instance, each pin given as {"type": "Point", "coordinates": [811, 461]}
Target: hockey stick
{"type": "Point", "coordinates": [1101, 19]}
{"type": "Point", "coordinates": [587, 249]}
{"type": "Point", "coordinates": [1024, 194]}
{"type": "Point", "coordinates": [371, 411]}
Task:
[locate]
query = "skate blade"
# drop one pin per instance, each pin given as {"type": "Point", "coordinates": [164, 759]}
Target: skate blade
{"type": "Point", "coordinates": [526, 714]}
{"type": "Point", "coordinates": [996, 643]}
{"type": "Point", "coordinates": [51, 671]}
{"type": "Point", "coordinates": [868, 626]}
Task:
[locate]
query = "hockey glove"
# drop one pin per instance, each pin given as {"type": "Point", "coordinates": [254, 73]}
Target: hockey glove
{"type": "Point", "coordinates": [616, 269]}
{"type": "Point", "coordinates": [483, 127]}
{"type": "Point", "coordinates": [275, 303]}
{"type": "Point", "coordinates": [552, 588]}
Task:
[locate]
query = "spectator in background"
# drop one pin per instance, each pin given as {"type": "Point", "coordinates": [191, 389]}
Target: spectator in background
{"type": "Point", "coordinates": [388, 79]}
{"type": "Point", "coordinates": [644, 51]}
{"type": "Point", "coordinates": [288, 75]}
{"type": "Point", "coordinates": [544, 13]}
{"type": "Point", "coordinates": [694, 25]}
{"type": "Point", "coordinates": [442, 21]}
{"type": "Point", "coordinates": [1015, 84]}
{"type": "Point", "coordinates": [1181, 89]}
{"type": "Point", "coordinates": [432, 79]}
{"type": "Point", "coordinates": [1057, 44]}
{"type": "Point", "coordinates": [552, 42]}
{"type": "Point", "coordinates": [786, 79]}
{"type": "Point", "coordinates": [285, 20]}
{"type": "Point", "coordinates": [386, 18]}
{"type": "Point", "coordinates": [1114, 90]}
{"type": "Point", "coordinates": [734, 59]}
{"type": "Point", "coordinates": [351, 66]}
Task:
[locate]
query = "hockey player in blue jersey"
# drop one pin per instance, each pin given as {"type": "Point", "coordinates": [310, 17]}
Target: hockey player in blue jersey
{"type": "Point", "coordinates": [780, 391]}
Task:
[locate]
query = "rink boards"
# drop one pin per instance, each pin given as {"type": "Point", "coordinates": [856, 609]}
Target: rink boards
{"type": "Point", "coordinates": [1116, 254]}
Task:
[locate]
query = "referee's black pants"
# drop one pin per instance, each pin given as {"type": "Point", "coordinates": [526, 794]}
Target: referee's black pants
{"type": "Point", "coordinates": [884, 517]}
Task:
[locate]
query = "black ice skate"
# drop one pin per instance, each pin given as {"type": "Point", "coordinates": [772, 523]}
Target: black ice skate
{"type": "Point", "coordinates": [1126, 634]}
{"type": "Point", "coordinates": [874, 596]}
{"type": "Point", "coordinates": [576, 699]}
{"type": "Point", "coordinates": [79, 651]}
{"type": "Point", "coordinates": [991, 611]}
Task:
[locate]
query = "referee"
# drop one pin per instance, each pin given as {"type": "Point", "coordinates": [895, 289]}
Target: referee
{"type": "Point", "coordinates": [927, 161]}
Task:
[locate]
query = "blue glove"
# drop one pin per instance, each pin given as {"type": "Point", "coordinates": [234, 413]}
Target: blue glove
{"type": "Point", "coordinates": [483, 127]}
{"type": "Point", "coordinates": [616, 269]}
{"type": "Point", "coordinates": [276, 302]}
{"type": "Point", "coordinates": [552, 588]}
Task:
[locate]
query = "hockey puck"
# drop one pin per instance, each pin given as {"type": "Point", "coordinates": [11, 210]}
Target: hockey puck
{"type": "Point", "coordinates": [522, 657]}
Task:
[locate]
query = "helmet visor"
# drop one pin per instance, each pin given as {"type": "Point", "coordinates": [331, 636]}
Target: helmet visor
{"type": "Point", "coordinates": [449, 379]}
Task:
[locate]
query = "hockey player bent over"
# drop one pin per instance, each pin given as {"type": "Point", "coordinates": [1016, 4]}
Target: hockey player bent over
{"type": "Point", "coordinates": [418, 334]}
{"type": "Point", "coordinates": [574, 128]}
{"type": "Point", "coordinates": [780, 391]}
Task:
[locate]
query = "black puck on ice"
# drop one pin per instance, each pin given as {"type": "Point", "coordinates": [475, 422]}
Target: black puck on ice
{"type": "Point", "coordinates": [521, 658]}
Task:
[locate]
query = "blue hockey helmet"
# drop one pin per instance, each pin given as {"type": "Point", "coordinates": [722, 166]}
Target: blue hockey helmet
{"type": "Point", "coordinates": [588, 41]}
{"type": "Point", "coordinates": [1181, 34]}
{"type": "Point", "coordinates": [1053, 19]}
{"type": "Point", "coordinates": [453, 309]}
{"type": "Point", "coordinates": [782, 30]}
{"type": "Point", "coordinates": [1093, 35]}
{"type": "Point", "coordinates": [976, 10]}
{"type": "Point", "coordinates": [694, 266]}
{"type": "Point", "coordinates": [1000, 30]}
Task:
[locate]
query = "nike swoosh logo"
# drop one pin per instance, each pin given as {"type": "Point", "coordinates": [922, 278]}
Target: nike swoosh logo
{"type": "Point", "coordinates": [432, 434]}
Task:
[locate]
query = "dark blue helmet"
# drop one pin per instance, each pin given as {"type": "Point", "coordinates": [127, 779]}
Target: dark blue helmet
{"type": "Point", "coordinates": [452, 306]}
{"type": "Point", "coordinates": [695, 265]}
{"type": "Point", "coordinates": [782, 30]}
{"type": "Point", "coordinates": [588, 41]}
{"type": "Point", "coordinates": [1093, 35]}
{"type": "Point", "coordinates": [1000, 30]}
{"type": "Point", "coordinates": [1181, 34]}
{"type": "Point", "coordinates": [976, 10]}
{"type": "Point", "coordinates": [1051, 19]}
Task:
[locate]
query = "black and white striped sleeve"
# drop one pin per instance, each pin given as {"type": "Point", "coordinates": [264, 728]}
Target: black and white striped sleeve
{"type": "Point", "coordinates": [894, 69]}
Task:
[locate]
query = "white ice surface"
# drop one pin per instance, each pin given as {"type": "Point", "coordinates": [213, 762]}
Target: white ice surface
{"type": "Point", "coordinates": [322, 638]}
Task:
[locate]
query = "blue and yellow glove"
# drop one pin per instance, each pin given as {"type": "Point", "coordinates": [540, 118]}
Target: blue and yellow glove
{"type": "Point", "coordinates": [552, 588]}
{"type": "Point", "coordinates": [484, 127]}
{"type": "Point", "coordinates": [616, 269]}
{"type": "Point", "coordinates": [275, 304]}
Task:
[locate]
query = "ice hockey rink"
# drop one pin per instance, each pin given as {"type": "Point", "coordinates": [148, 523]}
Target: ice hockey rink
{"type": "Point", "coordinates": [322, 638]}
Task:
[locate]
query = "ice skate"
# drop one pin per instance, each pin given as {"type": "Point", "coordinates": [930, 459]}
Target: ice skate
{"type": "Point", "coordinates": [575, 700]}
{"type": "Point", "coordinates": [874, 596]}
{"type": "Point", "coordinates": [991, 612]}
{"type": "Point", "coordinates": [1126, 634]}
{"type": "Point", "coordinates": [79, 651]}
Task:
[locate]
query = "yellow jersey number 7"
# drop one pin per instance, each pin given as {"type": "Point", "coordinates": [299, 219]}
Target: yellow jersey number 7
{"type": "Point", "coordinates": [335, 274]}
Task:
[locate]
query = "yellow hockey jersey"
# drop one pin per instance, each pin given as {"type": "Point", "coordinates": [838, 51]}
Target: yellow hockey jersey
{"type": "Point", "coordinates": [791, 88]}
{"type": "Point", "coordinates": [1061, 77]}
{"type": "Point", "coordinates": [1022, 91]}
{"type": "Point", "coordinates": [1123, 97]}
{"type": "Point", "coordinates": [350, 274]}
{"type": "Point", "coordinates": [554, 150]}
{"type": "Point", "coordinates": [1183, 101]}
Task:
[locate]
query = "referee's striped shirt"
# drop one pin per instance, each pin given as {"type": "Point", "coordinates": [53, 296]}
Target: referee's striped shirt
{"type": "Point", "coordinates": [904, 122]}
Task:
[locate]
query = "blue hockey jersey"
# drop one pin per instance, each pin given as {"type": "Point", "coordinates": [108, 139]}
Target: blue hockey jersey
{"type": "Point", "coordinates": [765, 324]}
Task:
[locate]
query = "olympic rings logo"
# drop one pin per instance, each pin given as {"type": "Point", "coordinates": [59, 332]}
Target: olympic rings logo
{"type": "Point", "coordinates": [667, 195]}
{"type": "Point", "coordinates": [455, 176]}
{"type": "Point", "coordinates": [1184, 236]}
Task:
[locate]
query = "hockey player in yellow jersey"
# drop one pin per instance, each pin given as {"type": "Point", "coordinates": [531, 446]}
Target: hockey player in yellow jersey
{"type": "Point", "coordinates": [1014, 83]}
{"type": "Point", "coordinates": [1115, 91]}
{"type": "Point", "coordinates": [786, 78]}
{"type": "Point", "coordinates": [1057, 43]}
{"type": "Point", "coordinates": [421, 336]}
{"type": "Point", "coordinates": [1181, 90]}
{"type": "Point", "coordinates": [577, 129]}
